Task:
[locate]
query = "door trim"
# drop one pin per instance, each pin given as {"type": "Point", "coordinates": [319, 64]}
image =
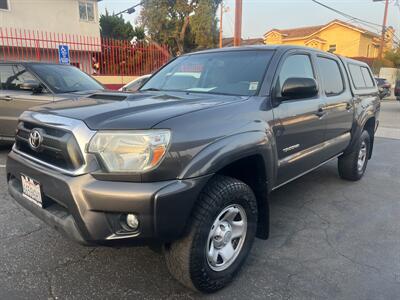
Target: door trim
{"type": "Point", "coordinates": [288, 160]}
{"type": "Point", "coordinates": [306, 172]}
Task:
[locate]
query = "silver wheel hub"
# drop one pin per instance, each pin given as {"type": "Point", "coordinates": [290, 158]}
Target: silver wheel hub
{"type": "Point", "coordinates": [226, 237]}
{"type": "Point", "coordinates": [362, 156]}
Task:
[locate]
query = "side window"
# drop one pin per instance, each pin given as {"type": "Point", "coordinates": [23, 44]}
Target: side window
{"type": "Point", "coordinates": [12, 76]}
{"type": "Point", "coordinates": [357, 76]}
{"type": "Point", "coordinates": [367, 77]}
{"type": "Point", "coordinates": [298, 65]}
{"type": "Point", "coordinates": [6, 72]}
{"type": "Point", "coordinates": [331, 76]}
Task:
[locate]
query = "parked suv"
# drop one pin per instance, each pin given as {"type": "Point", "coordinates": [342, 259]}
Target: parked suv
{"type": "Point", "coordinates": [27, 84]}
{"type": "Point", "coordinates": [189, 161]}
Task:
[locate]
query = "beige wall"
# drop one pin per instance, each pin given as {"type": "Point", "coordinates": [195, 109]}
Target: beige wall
{"type": "Point", "coordinates": [60, 16]}
{"type": "Point", "coordinates": [115, 79]}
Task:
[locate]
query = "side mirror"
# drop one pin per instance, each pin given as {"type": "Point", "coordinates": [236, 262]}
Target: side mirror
{"type": "Point", "coordinates": [299, 88]}
{"type": "Point", "coordinates": [31, 85]}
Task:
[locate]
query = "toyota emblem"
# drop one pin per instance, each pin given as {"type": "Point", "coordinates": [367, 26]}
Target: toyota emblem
{"type": "Point", "coordinates": [35, 139]}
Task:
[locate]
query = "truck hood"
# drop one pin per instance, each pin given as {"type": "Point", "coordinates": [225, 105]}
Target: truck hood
{"type": "Point", "coordinates": [104, 111]}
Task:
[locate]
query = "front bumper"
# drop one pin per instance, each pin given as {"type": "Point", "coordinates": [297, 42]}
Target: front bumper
{"type": "Point", "coordinates": [89, 211]}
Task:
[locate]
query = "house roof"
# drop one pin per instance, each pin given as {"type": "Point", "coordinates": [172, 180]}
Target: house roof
{"type": "Point", "coordinates": [228, 42]}
{"type": "Point", "coordinates": [316, 39]}
{"type": "Point", "coordinates": [302, 32]}
{"type": "Point", "coordinates": [298, 32]}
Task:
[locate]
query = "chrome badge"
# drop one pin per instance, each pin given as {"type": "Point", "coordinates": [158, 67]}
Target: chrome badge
{"type": "Point", "coordinates": [35, 139]}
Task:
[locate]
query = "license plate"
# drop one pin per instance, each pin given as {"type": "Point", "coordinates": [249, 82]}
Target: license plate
{"type": "Point", "coordinates": [31, 190]}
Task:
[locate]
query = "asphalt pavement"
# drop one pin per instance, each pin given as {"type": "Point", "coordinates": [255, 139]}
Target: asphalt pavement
{"type": "Point", "coordinates": [330, 239]}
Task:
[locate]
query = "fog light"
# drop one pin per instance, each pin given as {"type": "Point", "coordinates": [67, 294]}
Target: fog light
{"type": "Point", "coordinates": [132, 221]}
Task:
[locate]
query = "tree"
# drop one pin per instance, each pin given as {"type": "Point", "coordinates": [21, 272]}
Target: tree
{"type": "Point", "coordinates": [182, 24]}
{"type": "Point", "coordinates": [139, 33]}
{"type": "Point", "coordinates": [115, 27]}
{"type": "Point", "coordinates": [393, 56]}
{"type": "Point", "coordinates": [204, 24]}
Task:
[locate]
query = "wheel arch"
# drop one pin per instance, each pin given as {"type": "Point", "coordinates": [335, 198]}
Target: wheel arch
{"type": "Point", "coordinates": [251, 171]}
{"type": "Point", "coordinates": [248, 157]}
{"type": "Point", "coordinates": [368, 122]}
{"type": "Point", "coordinates": [370, 126]}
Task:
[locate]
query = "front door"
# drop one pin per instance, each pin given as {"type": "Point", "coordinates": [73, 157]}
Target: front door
{"type": "Point", "coordinates": [13, 100]}
{"type": "Point", "coordinates": [299, 124]}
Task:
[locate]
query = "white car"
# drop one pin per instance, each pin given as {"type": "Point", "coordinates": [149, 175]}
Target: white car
{"type": "Point", "coordinates": [134, 85]}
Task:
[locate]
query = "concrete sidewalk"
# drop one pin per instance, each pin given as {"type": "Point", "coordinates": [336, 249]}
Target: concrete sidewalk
{"type": "Point", "coordinates": [389, 126]}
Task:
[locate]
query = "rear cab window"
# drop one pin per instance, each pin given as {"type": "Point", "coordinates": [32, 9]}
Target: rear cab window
{"type": "Point", "coordinates": [361, 77]}
{"type": "Point", "coordinates": [369, 82]}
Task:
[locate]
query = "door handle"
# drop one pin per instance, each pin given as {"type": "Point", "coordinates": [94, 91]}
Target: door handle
{"type": "Point", "coordinates": [320, 112]}
{"type": "Point", "coordinates": [6, 98]}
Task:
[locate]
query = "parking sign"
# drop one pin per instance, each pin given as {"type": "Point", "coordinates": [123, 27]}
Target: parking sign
{"type": "Point", "coordinates": [63, 54]}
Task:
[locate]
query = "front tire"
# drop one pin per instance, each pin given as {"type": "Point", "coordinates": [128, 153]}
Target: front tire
{"type": "Point", "coordinates": [352, 165]}
{"type": "Point", "coordinates": [220, 237]}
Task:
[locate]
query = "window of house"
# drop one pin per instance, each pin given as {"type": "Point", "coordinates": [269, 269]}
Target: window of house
{"type": "Point", "coordinates": [4, 4]}
{"type": "Point", "coordinates": [331, 76]}
{"type": "Point", "coordinates": [86, 11]}
{"type": "Point", "coordinates": [332, 48]}
{"type": "Point", "coordinates": [298, 65]}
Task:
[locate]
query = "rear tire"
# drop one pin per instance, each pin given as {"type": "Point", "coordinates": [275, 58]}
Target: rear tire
{"type": "Point", "coordinates": [221, 234]}
{"type": "Point", "coordinates": [352, 165]}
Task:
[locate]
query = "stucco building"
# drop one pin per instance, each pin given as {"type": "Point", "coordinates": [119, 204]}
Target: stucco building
{"type": "Point", "coordinates": [336, 36]}
{"type": "Point", "coordinates": [79, 17]}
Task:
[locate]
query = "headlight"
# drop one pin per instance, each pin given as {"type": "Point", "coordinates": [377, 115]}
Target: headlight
{"type": "Point", "coordinates": [130, 151]}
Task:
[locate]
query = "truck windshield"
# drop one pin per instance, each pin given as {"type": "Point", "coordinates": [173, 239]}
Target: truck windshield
{"type": "Point", "coordinates": [228, 73]}
{"type": "Point", "coordinates": [65, 79]}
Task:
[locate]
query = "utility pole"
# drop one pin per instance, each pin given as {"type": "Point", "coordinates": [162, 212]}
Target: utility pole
{"type": "Point", "coordinates": [383, 30]}
{"type": "Point", "coordinates": [221, 23]}
{"type": "Point", "coordinates": [238, 23]}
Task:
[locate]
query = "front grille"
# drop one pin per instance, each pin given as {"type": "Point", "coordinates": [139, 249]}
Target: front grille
{"type": "Point", "coordinates": [58, 148]}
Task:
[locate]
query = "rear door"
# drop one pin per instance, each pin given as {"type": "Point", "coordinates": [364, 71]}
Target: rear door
{"type": "Point", "coordinates": [338, 103]}
{"type": "Point", "coordinates": [299, 125]}
{"type": "Point", "coordinates": [13, 100]}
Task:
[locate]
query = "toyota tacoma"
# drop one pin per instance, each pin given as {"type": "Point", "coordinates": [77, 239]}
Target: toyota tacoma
{"type": "Point", "coordinates": [188, 162]}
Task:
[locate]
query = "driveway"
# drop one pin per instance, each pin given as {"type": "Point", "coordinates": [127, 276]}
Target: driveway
{"type": "Point", "coordinates": [330, 239]}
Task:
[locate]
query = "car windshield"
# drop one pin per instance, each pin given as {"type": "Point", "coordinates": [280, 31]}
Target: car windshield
{"type": "Point", "coordinates": [65, 79]}
{"type": "Point", "coordinates": [229, 73]}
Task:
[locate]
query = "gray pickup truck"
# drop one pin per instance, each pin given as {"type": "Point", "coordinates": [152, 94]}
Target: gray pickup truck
{"type": "Point", "coordinates": [189, 161]}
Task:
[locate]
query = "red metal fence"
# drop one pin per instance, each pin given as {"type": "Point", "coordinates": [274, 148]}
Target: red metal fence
{"type": "Point", "coordinates": [99, 56]}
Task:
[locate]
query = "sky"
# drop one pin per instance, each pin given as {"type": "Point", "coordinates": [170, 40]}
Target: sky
{"type": "Point", "coordinates": [259, 16]}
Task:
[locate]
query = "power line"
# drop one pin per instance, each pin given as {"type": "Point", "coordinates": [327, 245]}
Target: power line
{"type": "Point", "coordinates": [358, 20]}
{"type": "Point", "coordinates": [345, 14]}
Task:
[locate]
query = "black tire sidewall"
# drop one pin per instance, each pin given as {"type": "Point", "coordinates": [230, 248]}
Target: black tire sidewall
{"type": "Point", "coordinates": [202, 271]}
